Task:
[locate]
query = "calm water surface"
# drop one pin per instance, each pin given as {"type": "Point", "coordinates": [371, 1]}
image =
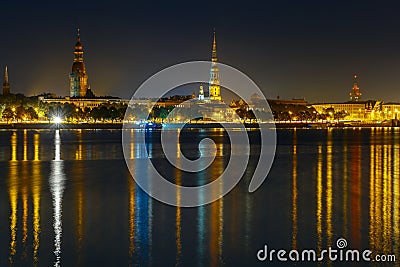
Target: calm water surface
{"type": "Point", "coordinates": [67, 198]}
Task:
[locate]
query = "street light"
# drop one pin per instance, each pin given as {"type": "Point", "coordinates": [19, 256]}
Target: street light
{"type": "Point", "coordinates": [57, 120]}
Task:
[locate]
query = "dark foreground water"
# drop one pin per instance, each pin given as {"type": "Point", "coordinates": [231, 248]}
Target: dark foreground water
{"type": "Point", "coordinates": [67, 198]}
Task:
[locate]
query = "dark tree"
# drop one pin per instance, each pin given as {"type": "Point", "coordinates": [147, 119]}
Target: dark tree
{"type": "Point", "coordinates": [31, 114]}
{"type": "Point", "coordinates": [8, 114]}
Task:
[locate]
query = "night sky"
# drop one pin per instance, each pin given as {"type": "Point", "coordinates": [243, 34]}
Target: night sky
{"type": "Point", "coordinates": [292, 49]}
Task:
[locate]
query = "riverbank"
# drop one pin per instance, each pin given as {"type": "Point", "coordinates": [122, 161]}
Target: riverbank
{"type": "Point", "coordinates": [279, 125]}
{"type": "Point", "coordinates": [61, 126]}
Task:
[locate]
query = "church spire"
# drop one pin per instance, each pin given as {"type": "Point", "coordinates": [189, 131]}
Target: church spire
{"type": "Point", "coordinates": [6, 84]}
{"type": "Point", "coordinates": [6, 75]}
{"type": "Point", "coordinates": [78, 75]}
{"type": "Point", "coordinates": [78, 53]}
{"type": "Point", "coordinates": [214, 49]}
{"type": "Point", "coordinates": [214, 90]}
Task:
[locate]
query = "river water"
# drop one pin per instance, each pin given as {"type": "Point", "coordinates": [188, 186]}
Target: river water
{"type": "Point", "coordinates": [67, 198]}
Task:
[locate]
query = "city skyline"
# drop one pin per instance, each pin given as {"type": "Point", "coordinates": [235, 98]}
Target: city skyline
{"type": "Point", "coordinates": [291, 50]}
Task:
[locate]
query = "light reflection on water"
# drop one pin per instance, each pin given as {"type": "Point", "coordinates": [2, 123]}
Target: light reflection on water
{"type": "Point", "coordinates": [325, 184]}
{"type": "Point", "coordinates": [294, 191]}
{"type": "Point", "coordinates": [36, 190]}
{"type": "Point", "coordinates": [57, 186]}
{"type": "Point", "coordinates": [13, 192]}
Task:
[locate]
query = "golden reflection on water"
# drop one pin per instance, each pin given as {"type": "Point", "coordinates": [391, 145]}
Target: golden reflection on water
{"type": "Point", "coordinates": [23, 180]}
{"type": "Point", "coordinates": [294, 191]}
{"type": "Point", "coordinates": [382, 208]}
{"type": "Point", "coordinates": [132, 146]}
{"type": "Point", "coordinates": [131, 186]}
{"type": "Point", "coordinates": [344, 189]}
{"type": "Point", "coordinates": [36, 147]}
{"type": "Point", "coordinates": [79, 149]}
{"type": "Point", "coordinates": [14, 146]}
{"type": "Point", "coordinates": [329, 188]}
{"type": "Point", "coordinates": [386, 199]}
{"type": "Point", "coordinates": [372, 215]}
{"type": "Point", "coordinates": [217, 214]}
{"type": "Point", "coordinates": [319, 197]}
{"type": "Point", "coordinates": [13, 194]}
{"type": "Point", "coordinates": [25, 183]}
{"type": "Point", "coordinates": [396, 194]}
{"type": "Point", "coordinates": [355, 197]}
{"type": "Point", "coordinates": [178, 232]}
{"type": "Point", "coordinates": [36, 189]}
{"type": "Point", "coordinates": [384, 194]}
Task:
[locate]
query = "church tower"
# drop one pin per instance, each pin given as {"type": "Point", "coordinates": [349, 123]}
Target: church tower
{"type": "Point", "coordinates": [355, 94]}
{"type": "Point", "coordinates": [214, 83]}
{"type": "Point", "coordinates": [6, 84]}
{"type": "Point", "coordinates": [78, 76]}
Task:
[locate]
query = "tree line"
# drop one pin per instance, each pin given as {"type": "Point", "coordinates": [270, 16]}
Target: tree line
{"type": "Point", "coordinates": [19, 108]}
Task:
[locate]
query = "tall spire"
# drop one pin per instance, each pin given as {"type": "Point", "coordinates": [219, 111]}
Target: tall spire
{"type": "Point", "coordinates": [78, 48]}
{"type": "Point", "coordinates": [355, 94]}
{"type": "Point", "coordinates": [78, 75]}
{"type": "Point", "coordinates": [6, 75]}
{"type": "Point", "coordinates": [6, 84]}
{"type": "Point", "coordinates": [214, 49]}
{"type": "Point", "coordinates": [214, 90]}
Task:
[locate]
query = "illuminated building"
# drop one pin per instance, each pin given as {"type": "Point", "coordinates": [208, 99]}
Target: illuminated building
{"type": "Point", "coordinates": [353, 110]}
{"type": "Point", "coordinates": [355, 94]}
{"type": "Point", "coordinates": [6, 84]}
{"type": "Point", "coordinates": [85, 102]}
{"type": "Point", "coordinates": [80, 93]}
{"type": "Point", "coordinates": [391, 111]}
{"type": "Point", "coordinates": [78, 77]}
{"type": "Point", "coordinates": [201, 93]}
{"type": "Point", "coordinates": [214, 83]}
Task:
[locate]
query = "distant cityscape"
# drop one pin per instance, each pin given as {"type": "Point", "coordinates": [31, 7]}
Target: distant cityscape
{"type": "Point", "coordinates": [82, 105]}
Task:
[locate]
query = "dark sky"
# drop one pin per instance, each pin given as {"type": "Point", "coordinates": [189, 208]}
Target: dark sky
{"type": "Point", "coordinates": [293, 49]}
